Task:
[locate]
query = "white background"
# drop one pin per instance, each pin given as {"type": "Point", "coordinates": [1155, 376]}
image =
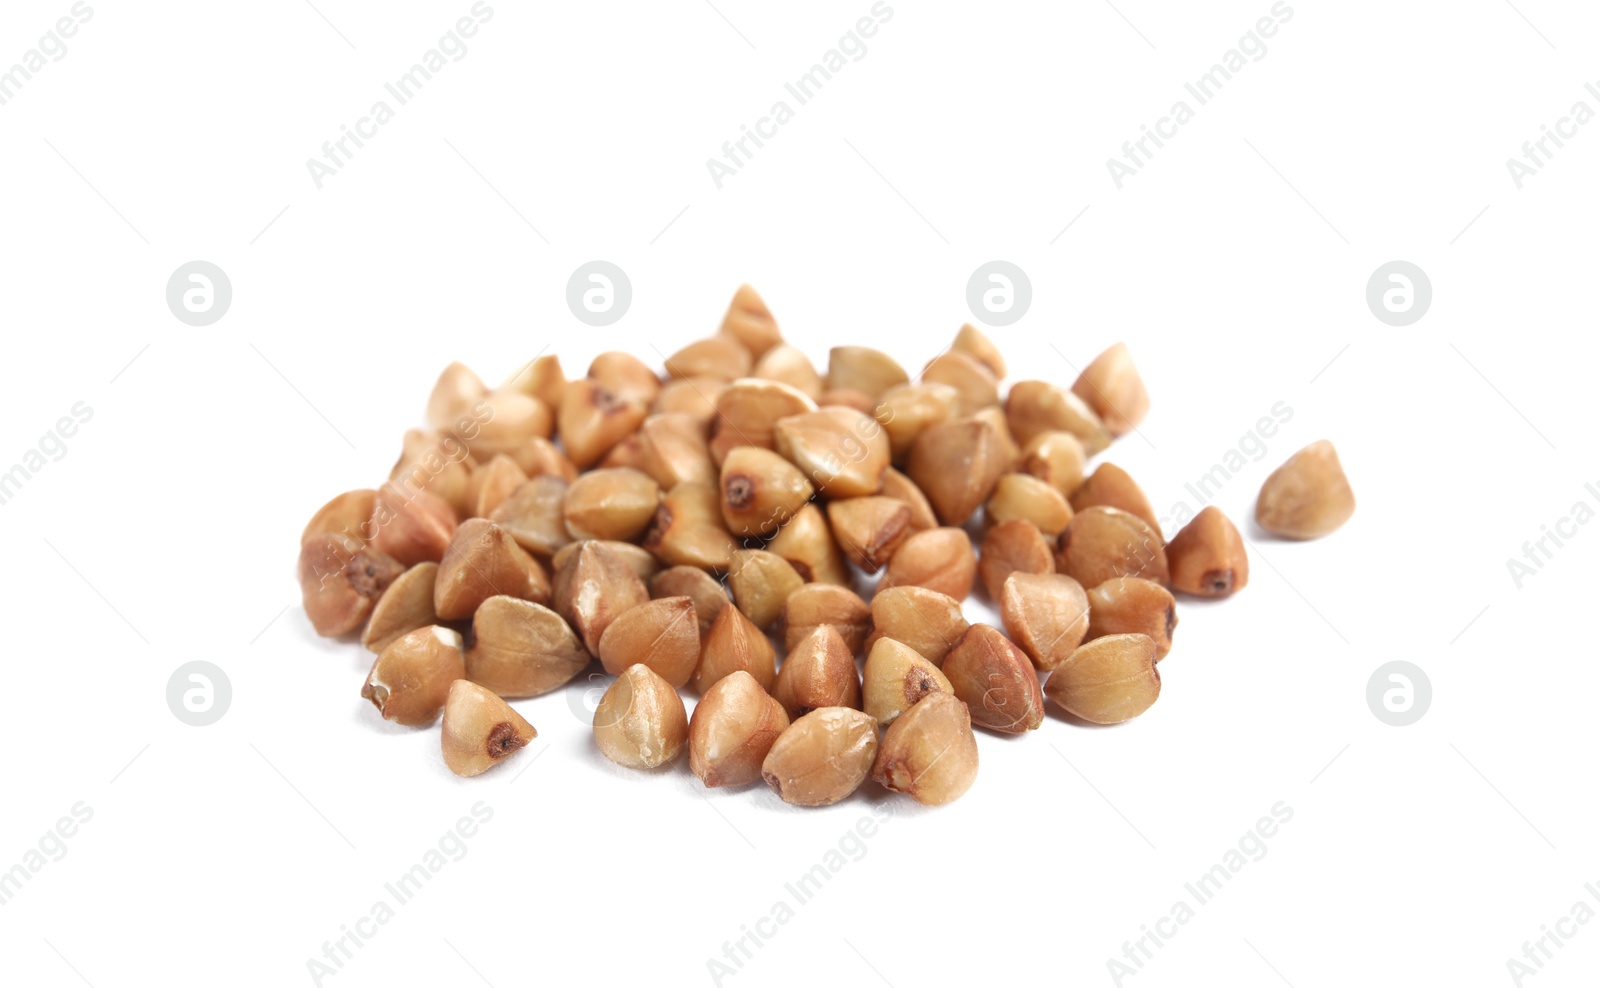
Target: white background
{"type": "Point", "coordinates": [1234, 265]}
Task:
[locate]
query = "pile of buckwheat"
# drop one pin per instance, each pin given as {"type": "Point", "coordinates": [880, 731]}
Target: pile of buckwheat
{"type": "Point", "coordinates": [679, 528]}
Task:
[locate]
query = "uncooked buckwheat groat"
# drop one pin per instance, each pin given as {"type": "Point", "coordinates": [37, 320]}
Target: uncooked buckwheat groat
{"type": "Point", "coordinates": [662, 635]}
{"type": "Point", "coordinates": [1207, 557]}
{"type": "Point", "coordinates": [483, 561]}
{"type": "Point", "coordinates": [926, 620]}
{"type": "Point", "coordinates": [897, 677]}
{"type": "Point", "coordinates": [818, 672]}
{"type": "Point", "coordinates": [593, 587]}
{"type": "Point", "coordinates": [1308, 497]}
{"type": "Point", "coordinates": [733, 727]}
{"type": "Point", "coordinates": [1107, 681]}
{"type": "Point", "coordinates": [519, 648]}
{"type": "Point", "coordinates": [1104, 543]}
{"type": "Point", "coordinates": [640, 721]}
{"type": "Point", "coordinates": [406, 606]}
{"type": "Point", "coordinates": [735, 645]}
{"type": "Point", "coordinates": [761, 491]}
{"type": "Point", "coordinates": [411, 678]}
{"type": "Point", "coordinates": [761, 582]}
{"type": "Point", "coordinates": [822, 757]}
{"type": "Point", "coordinates": [1047, 614]}
{"type": "Point", "coordinates": [940, 559]}
{"type": "Point", "coordinates": [1129, 605]}
{"type": "Point", "coordinates": [996, 681]}
{"type": "Point", "coordinates": [341, 579]}
{"type": "Point", "coordinates": [930, 754]}
{"type": "Point", "coordinates": [1014, 546]}
{"type": "Point", "coordinates": [1112, 387]}
{"type": "Point", "coordinates": [821, 603]}
{"type": "Point", "coordinates": [480, 730]}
